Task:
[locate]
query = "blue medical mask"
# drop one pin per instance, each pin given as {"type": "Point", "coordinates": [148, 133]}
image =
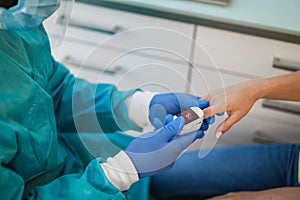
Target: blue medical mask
{"type": "Point", "coordinates": [27, 14]}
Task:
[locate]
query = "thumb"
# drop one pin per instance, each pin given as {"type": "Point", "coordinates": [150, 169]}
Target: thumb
{"type": "Point", "coordinates": [169, 131]}
{"type": "Point", "coordinates": [157, 123]}
{"type": "Point", "coordinates": [203, 104]}
{"type": "Point", "coordinates": [169, 118]}
{"type": "Point", "coordinates": [157, 114]}
{"type": "Point", "coordinates": [226, 125]}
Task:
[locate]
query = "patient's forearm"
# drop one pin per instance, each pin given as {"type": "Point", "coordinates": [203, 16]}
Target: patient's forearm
{"type": "Point", "coordinates": [285, 87]}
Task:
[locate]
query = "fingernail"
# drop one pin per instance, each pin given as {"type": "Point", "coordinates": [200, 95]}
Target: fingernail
{"type": "Point", "coordinates": [219, 134]}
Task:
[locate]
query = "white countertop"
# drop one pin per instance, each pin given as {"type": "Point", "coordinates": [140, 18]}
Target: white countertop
{"type": "Point", "coordinates": [274, 15]}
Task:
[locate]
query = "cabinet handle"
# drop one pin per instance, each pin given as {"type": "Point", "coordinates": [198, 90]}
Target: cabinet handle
{"type": "Point", "coordinates": [265, 138]}
{"type": "Point", "coordinates": [97, 28]}
{"type": "Point", "coordinates": [216, 2]}
{"type": "Point", "coordinates": [76, 63]}
{"type": "Point", "coordinates": [286, 64]}
{"type": "Point", "coordinates": [282, 106]}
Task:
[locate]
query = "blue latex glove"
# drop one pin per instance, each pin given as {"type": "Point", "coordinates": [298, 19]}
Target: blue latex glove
{"type": "Point", "coordinates": [157, 151]}
{"type": "Point", "coordinates": [164, 106]}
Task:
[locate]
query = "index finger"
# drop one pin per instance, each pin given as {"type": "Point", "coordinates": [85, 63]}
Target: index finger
{"type": "Point", "coordinates": [209, 112]}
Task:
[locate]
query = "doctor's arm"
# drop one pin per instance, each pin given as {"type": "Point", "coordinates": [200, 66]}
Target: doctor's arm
{"type": "Point", "coordinates": [78, 102]}
{"type": "Point", "coordinates": [106, 179]}
{"type": "Point", "coordinates": [87, 106]}
{"type": "Point", "coordinates": [237, 100]}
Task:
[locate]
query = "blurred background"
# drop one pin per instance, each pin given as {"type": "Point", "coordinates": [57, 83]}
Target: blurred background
{"type": "Point", "coordinates": [189, 46]}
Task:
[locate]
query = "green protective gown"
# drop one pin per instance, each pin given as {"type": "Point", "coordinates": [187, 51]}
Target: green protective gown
{"type": "Point", "coordinates": [41, 155]}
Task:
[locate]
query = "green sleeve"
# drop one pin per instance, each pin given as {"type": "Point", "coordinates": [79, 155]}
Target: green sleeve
{"type": "Point", "coordinates": [17, 182]}
{"type": "Point", "coordinates": [85, 107]}
{"type": "Point", "coordinates": [92, 184]}
{"type": "Point", "coordinates": [36, 161]}
{"type": "Point", "coordinates": [11, 184]}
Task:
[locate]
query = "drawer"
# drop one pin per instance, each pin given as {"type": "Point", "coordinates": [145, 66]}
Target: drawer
{"type": "Point", "coordinates": [251, 130]}
{"type": "Point", "coordinates": [126, 72]}
{"type": "Point", "coordinates": [278, 115]}
{"type": "Point", "coordinates": [243, 53]}
{"type": "Point", "coordinates": [96, 25]}
{"type": "Point", "coordinates": [205, 80]}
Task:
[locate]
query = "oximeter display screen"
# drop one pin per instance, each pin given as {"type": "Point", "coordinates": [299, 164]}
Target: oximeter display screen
{"type": "Point", "coordinates": [189, 116]}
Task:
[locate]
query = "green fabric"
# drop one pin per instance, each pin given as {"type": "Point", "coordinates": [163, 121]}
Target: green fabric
{"type": "Point", "coordinates": [42, 156]}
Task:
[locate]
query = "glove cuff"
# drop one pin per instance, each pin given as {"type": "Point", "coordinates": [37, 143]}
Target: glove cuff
{"type": "Point", "coordinates": [120, 171]}
{"type": "Point", "coordinates": [138, 108]}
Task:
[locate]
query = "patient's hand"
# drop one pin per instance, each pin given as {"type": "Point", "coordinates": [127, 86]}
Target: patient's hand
{"type": "Point", "coordinates": [238, 99]}
{"type": "Point", "coordinates": [286, 193]}
{"type": "Point", "coordinates": [235, 100]}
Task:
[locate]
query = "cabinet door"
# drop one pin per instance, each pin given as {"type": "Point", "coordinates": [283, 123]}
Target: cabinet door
{"type": "Point", "coordinates": [245, 54]}
{"type": "Point", "coordinates": [254, 129]}
{"type": "Point", "coordinates": [127, 72]}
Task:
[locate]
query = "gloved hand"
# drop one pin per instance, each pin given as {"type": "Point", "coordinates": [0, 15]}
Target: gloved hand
{"type": "Point", "coordinates": [156, 151]}
{"type": "Point", "coordinates": [164, 106]}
